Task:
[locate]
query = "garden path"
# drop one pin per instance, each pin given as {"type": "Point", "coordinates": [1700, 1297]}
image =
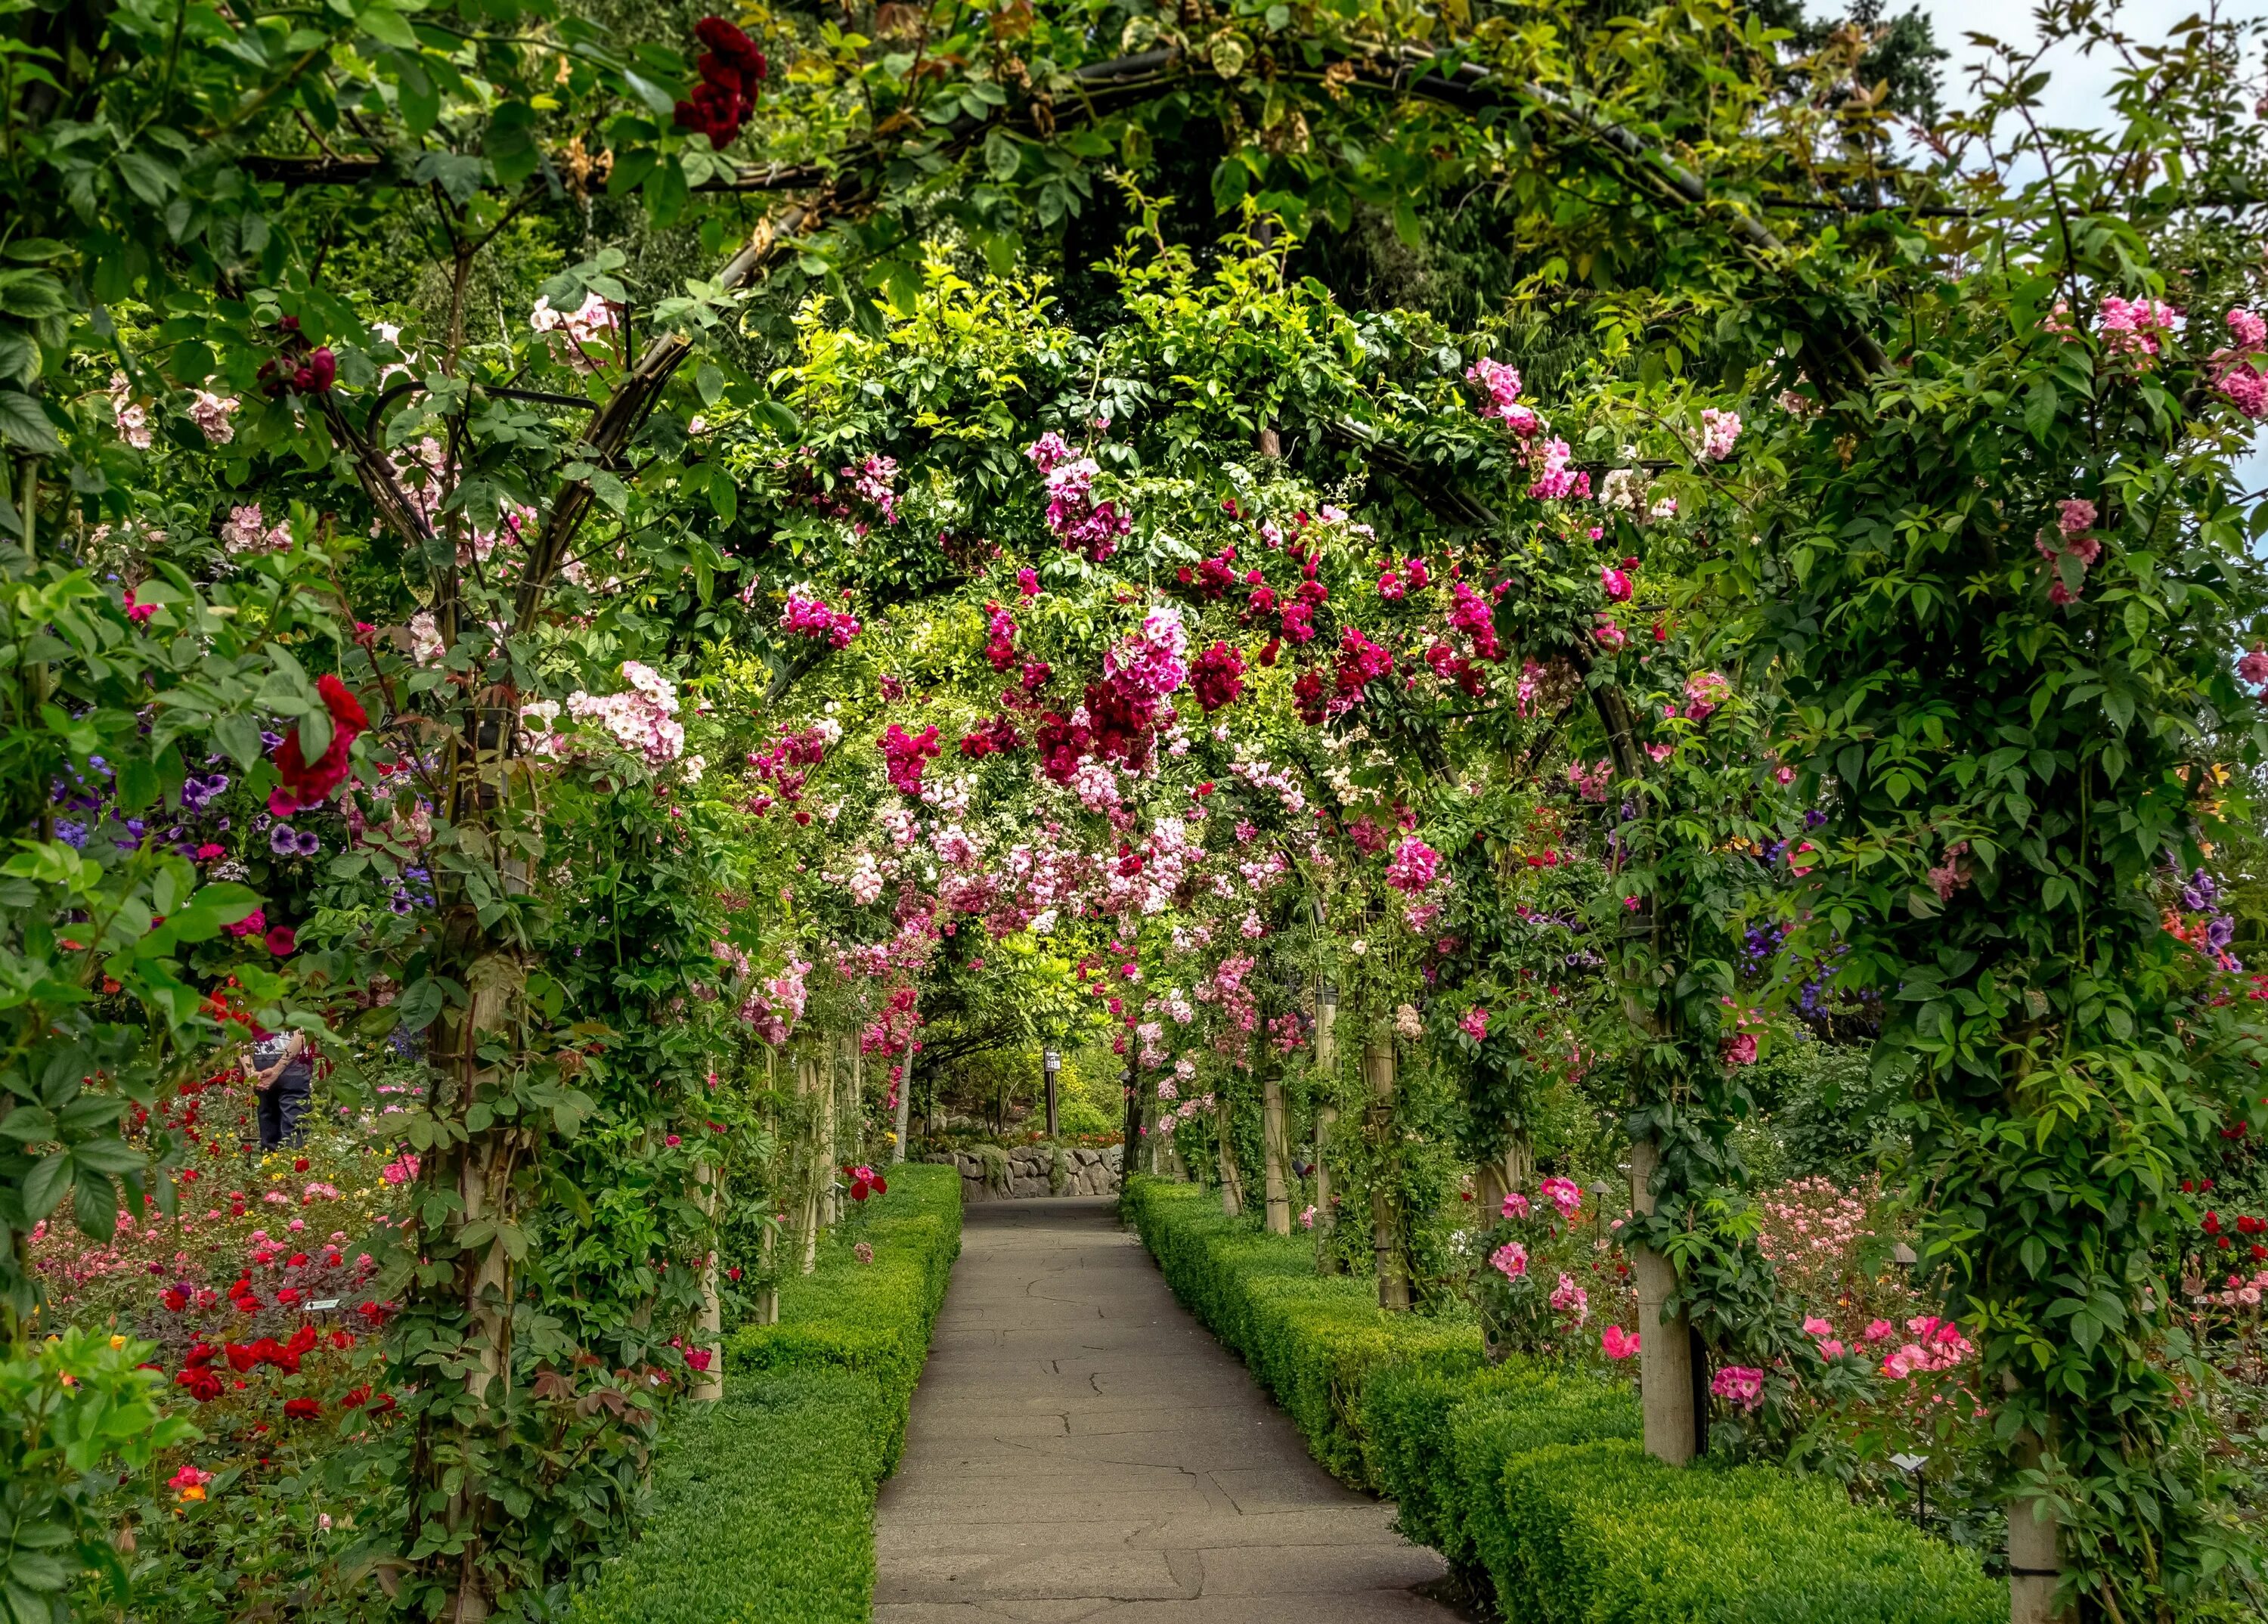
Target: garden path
{"type": "Point", "coordinates": [1082, 1450]}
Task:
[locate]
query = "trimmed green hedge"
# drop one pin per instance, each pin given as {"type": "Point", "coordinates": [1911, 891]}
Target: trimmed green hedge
{"type": "Point", "coordinates": [1532, 1476]}
{"type": "Point", "coordinates": [763, 1503]}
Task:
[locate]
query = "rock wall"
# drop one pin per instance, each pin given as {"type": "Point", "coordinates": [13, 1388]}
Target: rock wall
{"type": "Point", "coordinates": [1031, 1172]}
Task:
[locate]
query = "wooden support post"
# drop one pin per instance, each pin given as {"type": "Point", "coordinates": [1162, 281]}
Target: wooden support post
{"type": "Point", "coordinates": [905, 1102]}
{"type": "Point", "coordinates": [709, 1384]}
{"type": "Point", "coordinates": [1232, 1188]}
{"type": "Point", "coordinates": [1321, 1090]}
{"type": "Point", "coordinates": [1385, 1224]}
{"type": "Point", "coordinates": [824, 1137]}
{"type": "Point", "coordinates": [1665, 1342]}
{"type": "Point", "coordinates": [2035, 1559]}
{"type": "Point", "coordinates": [817, 1174]}
{"type": "Point", "coordinates": [768, 1299]}
{"type": "Point", "coordinates": [1275, 1150]}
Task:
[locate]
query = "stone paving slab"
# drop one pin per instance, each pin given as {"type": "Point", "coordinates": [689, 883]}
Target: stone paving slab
{"type": "Point", "coordinates": [1082, 1451]}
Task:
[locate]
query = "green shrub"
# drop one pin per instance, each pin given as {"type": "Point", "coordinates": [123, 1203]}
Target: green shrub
{"type": "Point", "coordinates": [1533, 1475]}
{"type": "Point", "coordinates": [1314, 1342]}
{"type": "Point", "coordinates": [761, 1512]}
{"type": "Point", "coordinates": [871, 1318]}
{"type": "Point", "coordinates": [763, 1503]}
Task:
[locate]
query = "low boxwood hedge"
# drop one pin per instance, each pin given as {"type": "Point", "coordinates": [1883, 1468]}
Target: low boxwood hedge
{"type": "Point", "coordinates": [1532, 1477]}
{"type": "Point", "coordinates": [763, 1503]}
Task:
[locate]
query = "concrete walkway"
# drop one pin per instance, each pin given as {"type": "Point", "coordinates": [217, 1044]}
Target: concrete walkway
{"type": "Point", "coordinates": [1082, 1450]}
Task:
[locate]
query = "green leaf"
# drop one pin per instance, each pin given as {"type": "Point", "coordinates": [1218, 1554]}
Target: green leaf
{"type": "Point", "coordinates": [665, 193]}
{"type": "Point", "coordinates": [30, 294]}
{"type": "Point", "coordinates": [1231, 180]}
{"type": "Point", "coordinates": [23, 424]}
{"type": "Point", "coordinates": [1405, 222]}
{"type": "Point", "coordinates": [148, 179]}
{"type": "Point", "coordinates": [510, 142]}
{"type": "Point", "coordinates": [239, 735]}
{"type": "Point", "coordinates": [387, 26]}
{"type": "Point", "coordinates": [1002, 156]}
{"type": "Point", "coordinates": [47, 1184]}
{"type": "Point", "coordinates": [109, 1155]}
{"type": "Point", "coordinates": [2040, 408]}
{"type": "Point", "coordinates": [420, 1003]}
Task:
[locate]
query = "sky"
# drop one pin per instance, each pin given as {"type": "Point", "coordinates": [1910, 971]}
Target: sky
{"type": "Point", "coordinates": [2077, 94]}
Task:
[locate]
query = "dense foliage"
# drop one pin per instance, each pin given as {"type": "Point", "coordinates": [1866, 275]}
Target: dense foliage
{"type": "Point", "coordinates": [656, 587]}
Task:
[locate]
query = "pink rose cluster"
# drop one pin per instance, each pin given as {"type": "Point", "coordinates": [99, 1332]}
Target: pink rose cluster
{"type": "Point", "coordinates": [644, 720]}
{"type": "Point", "coordinates": [2236, 371]}
{"type": "Point", "coordinates": [1413, 866]}
{"type": "Point", "coordinates": [809, 616]}
{"type": "Point", "coordinates": [1556, 478]}
{"type": "Point", "coordinates": [872, 479]}
{"type": "Point", "coordinates": [1564, 1194]}
{"type": "Point", "coordinates": [1474, 616]}
{"type": "Point", "coordinates": [1720, 430]}
{"type": "Point", "coordinates": [1937, 1345]}
{"type": "Point", "coordinates": [1742, 1386]}
{"type": "Point", "coordinates": [2136, 327]}
{"type": "Point", "coordinates": [2074, 520]}
{"type": "Point", "coordinates": [904, 755]}
{"type": "Point", "coordinates": [1501, 384]}
{"type": "Point", "coordinates": [1080, 523]}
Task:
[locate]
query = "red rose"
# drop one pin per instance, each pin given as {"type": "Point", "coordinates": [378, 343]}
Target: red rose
{"type": "Point", "coordinates": [355, 1398]}
{"type": "Point", "coordinates": [174, 1298]}
{"type": "Point", "coordinates": [202, 1383]}
{"type": "Point", "coordinates": [242, 1358]}
{"type": "Point", "coordinates": [306, 786]}
{"type": "Point", "coordinates": [302, 1409]}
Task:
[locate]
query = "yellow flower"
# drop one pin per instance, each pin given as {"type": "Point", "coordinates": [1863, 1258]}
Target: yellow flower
{"type": "Point", "coordinates": [193, 1494]}
{"type": "Point", "coordinates": [118, 1341]}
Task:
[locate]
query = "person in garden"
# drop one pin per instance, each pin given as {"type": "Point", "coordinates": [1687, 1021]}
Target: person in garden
{"type": "Point", "coordinates": [282, 1077]}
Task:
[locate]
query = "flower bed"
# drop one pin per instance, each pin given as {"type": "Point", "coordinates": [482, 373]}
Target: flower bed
{"type": "Point", "coordinates": [1531, 1474]}
{"type": "Point", "coordinates": [763, 1503]}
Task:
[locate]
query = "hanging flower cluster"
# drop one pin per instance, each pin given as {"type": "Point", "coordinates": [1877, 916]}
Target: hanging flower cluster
{"type": "Point", "coordinates": [1413, 866]}
{"type": "Point", "coordinates": [999, 637]}
{"type": "Point", "coordinates": [2069, 539]}
{"type": "Point", "coordinates": [873, 480]}
{"type": "Point", "coordinates": [1082, 524]}
{"type": "Point", "coordinates": [773, 1008]}
{"type": "Point", "coordinates": [805, 616]}
{"type": "Point", "coordinates": [1217, 677]}
{"type": "Point", "coordinates": [644, 720]}
{"type": "Point", "coordinates": [2238, 371]}
{"type": "Point", "coordinates": [904, 755]}
{"type": "Point", "coordinates": [731, 71]}
{"type": "Point", "coordinates": [1720, 430]}
{"type": "Point", "coordinates": [1501, 384]}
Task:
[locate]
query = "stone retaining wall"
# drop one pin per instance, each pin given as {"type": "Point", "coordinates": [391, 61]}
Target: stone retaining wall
{"type": "Point", "coordinates": [1031, 1172]}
